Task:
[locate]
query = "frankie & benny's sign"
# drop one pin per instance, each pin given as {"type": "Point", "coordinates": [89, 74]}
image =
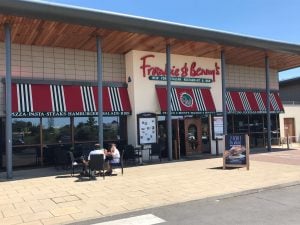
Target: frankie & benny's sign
{"type": "Point", "coordinates": [186, 73]}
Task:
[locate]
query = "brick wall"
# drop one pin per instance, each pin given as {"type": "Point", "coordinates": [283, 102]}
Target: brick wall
{"type": "Point", "coordinates": [47, 63]}
{"type": "Point", "coordinates": [250, 77]}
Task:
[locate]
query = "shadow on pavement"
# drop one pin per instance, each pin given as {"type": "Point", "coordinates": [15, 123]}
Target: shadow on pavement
{"type": "Point", "coordinates": [35, 173]}
{"type": "Point", "coordinates": [221, 168]}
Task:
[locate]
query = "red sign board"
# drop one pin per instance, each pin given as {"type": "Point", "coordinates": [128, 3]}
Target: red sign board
{"type": "Point", "coordinates": [192, 72]}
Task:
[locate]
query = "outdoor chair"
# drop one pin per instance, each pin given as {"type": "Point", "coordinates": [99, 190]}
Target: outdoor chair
{"type": "Point", "coordinates": [97, 163]}
{"type": "Point", "coordinates": [38, 157]}
{"type": "Point", "coordinates": [130, 154]}
{"type": "Point", "coordinates": [60, 158]}
{"type": "Point", "coordinates": [155, 151]}
{"type": "Point", "coordinates": [74, 163]}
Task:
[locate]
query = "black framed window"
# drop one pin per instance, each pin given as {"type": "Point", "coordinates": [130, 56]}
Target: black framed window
{"type": "Point", "coordinates": [25, 131]}
{"type": "Point", "coordinates": [56, 130]}
{"type": "Point", "coordinates": [86, 128]}
{"type": "Point", "coordinates": [256, 123]}
{"type": "Point", "coordinates": [25, 141]}
{"type": "Point", "coordinates": [241, 124]}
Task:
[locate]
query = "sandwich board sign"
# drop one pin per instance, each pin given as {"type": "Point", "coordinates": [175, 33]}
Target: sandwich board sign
{"type": "Point", "coordinates": [236, 153]}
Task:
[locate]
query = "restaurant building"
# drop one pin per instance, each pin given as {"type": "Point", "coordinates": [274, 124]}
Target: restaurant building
{"type": "Point", "coordinates": [151, 82]}
{"type": "Point", "coordinates": [289, 120]}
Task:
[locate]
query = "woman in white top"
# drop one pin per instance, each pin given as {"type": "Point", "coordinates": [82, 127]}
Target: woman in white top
{"type": "Point", "coordinates": [115, 157]}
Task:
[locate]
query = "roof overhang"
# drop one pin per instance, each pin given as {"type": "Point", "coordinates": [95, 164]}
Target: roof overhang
{"type": "Point", "coordinates": [75, 27]}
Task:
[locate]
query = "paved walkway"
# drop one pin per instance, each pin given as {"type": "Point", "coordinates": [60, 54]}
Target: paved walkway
{"type": "Point", "coordinates": [61, 199]}
{"type": "Point", "coordinates": [279, 155]}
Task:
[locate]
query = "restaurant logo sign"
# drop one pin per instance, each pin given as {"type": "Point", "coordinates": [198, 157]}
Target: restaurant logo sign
{"type": "Point", "coordinates": [186, 99]}
{"type": "Point", "coordinates": [192, 72]}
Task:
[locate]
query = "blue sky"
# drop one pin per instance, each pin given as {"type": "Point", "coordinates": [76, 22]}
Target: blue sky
{"type": "Point", "coordinates": [269, 19]}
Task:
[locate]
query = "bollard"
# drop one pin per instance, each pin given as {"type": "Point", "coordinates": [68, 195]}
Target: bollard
{"type": "Point", "coordinates": [217, 147]}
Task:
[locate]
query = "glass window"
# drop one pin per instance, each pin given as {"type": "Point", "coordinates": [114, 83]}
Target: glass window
{"type": "Point", "coordinates": [192, 132]}
{"type": "Point", "coordinates": [205, 127]}
{"type": "Point", "coordinates": [26, 141]}
{"type": "Point", "coordinates": [256, 123]}
{"type": "Point", "coordinates": [274, 122]}
{"type": "Point", "coordinates": [241, 124]}
{"type": "Point", "coordinates": [275, 130]}
{"type": "Point", "coordinates": [25, 131]}
{"type": "Point", "coordinates": [56, 130]}
{"type": "Point", "coordinates": [86, 129]}
{"type": "Point", "coordinates": [230, 122]}
{"type": "Point", "coordinates": [111, 128]}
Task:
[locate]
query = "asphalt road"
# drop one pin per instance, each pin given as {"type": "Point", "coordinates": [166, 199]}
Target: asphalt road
{"type": "Point", "coordinates": [267, 207]}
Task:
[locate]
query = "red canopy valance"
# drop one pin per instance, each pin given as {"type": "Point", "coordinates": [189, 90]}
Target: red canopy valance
{"type": "Point", "coordinates": [66, 100]}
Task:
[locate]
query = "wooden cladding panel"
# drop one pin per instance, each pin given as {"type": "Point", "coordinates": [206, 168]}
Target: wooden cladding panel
{"type": "Point", "coordinates": [58, 34]}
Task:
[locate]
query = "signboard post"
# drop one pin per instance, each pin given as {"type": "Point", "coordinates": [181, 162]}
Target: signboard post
{"type": "Point", "coordinates": [236, 153]}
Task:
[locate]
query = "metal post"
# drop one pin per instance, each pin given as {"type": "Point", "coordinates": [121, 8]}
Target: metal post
{"type": "Point", "coordinates": [169, 113]}
{"type": "Point", "coordinates": [72, 131]}
{"type": "Point", "coordinates": [223, 69]}
{"type": "Point", "coordinates": [277, 133]}
{"type": "Point", "coordinates": [217, 146]}
{"type": "Point", "coordinates": [287, 140]}
{"type": "Point", "coordinates": [41, 141]}
{"type": "Point", "coordinates": [100, 98]}
{"type": "Point", "coordinates": [8, 125]}
{"type": "Point", "coordinates": [268, 104]}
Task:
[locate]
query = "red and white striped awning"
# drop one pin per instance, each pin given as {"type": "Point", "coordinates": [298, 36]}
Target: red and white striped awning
{"type": "Point", "coordinates": [67, 100]}
{"type": "Point", "coordinates": [252, 102]}
{"type": "Point", "coordinates": [186, 100]}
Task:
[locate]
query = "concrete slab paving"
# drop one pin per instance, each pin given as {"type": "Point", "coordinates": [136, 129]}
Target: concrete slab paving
{"type": "Point", "coordinates": [54, 197]}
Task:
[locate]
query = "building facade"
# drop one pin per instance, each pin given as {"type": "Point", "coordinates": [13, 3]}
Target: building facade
{"type": "Point", "coordinates": [289, 120]}
{"type": "Point", "coordinates": [68, 64]}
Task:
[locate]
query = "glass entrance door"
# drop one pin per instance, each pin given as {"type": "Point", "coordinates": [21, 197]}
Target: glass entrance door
{"type": "Point", "coordinates": [193, 135]}
{"type": "Point", "coordinates": [205, 148]}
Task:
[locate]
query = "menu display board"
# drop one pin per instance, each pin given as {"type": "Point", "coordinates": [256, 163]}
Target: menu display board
{"type": "Point", "coordinates": [218, 127]}
{"type": "Point", "coordinates": [147, 133]}
{"type": "Point", "coordinates": [236, 153]}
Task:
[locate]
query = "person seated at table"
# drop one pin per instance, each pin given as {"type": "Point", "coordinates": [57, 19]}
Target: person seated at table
{"type": "Point", "coordinates": [97, 151]}
{"type": "Point", "coordinates": [113, 157]}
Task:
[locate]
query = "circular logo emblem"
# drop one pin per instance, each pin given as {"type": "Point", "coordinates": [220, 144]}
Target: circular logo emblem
{"type": "Point", "coordinates": [186, 99]}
